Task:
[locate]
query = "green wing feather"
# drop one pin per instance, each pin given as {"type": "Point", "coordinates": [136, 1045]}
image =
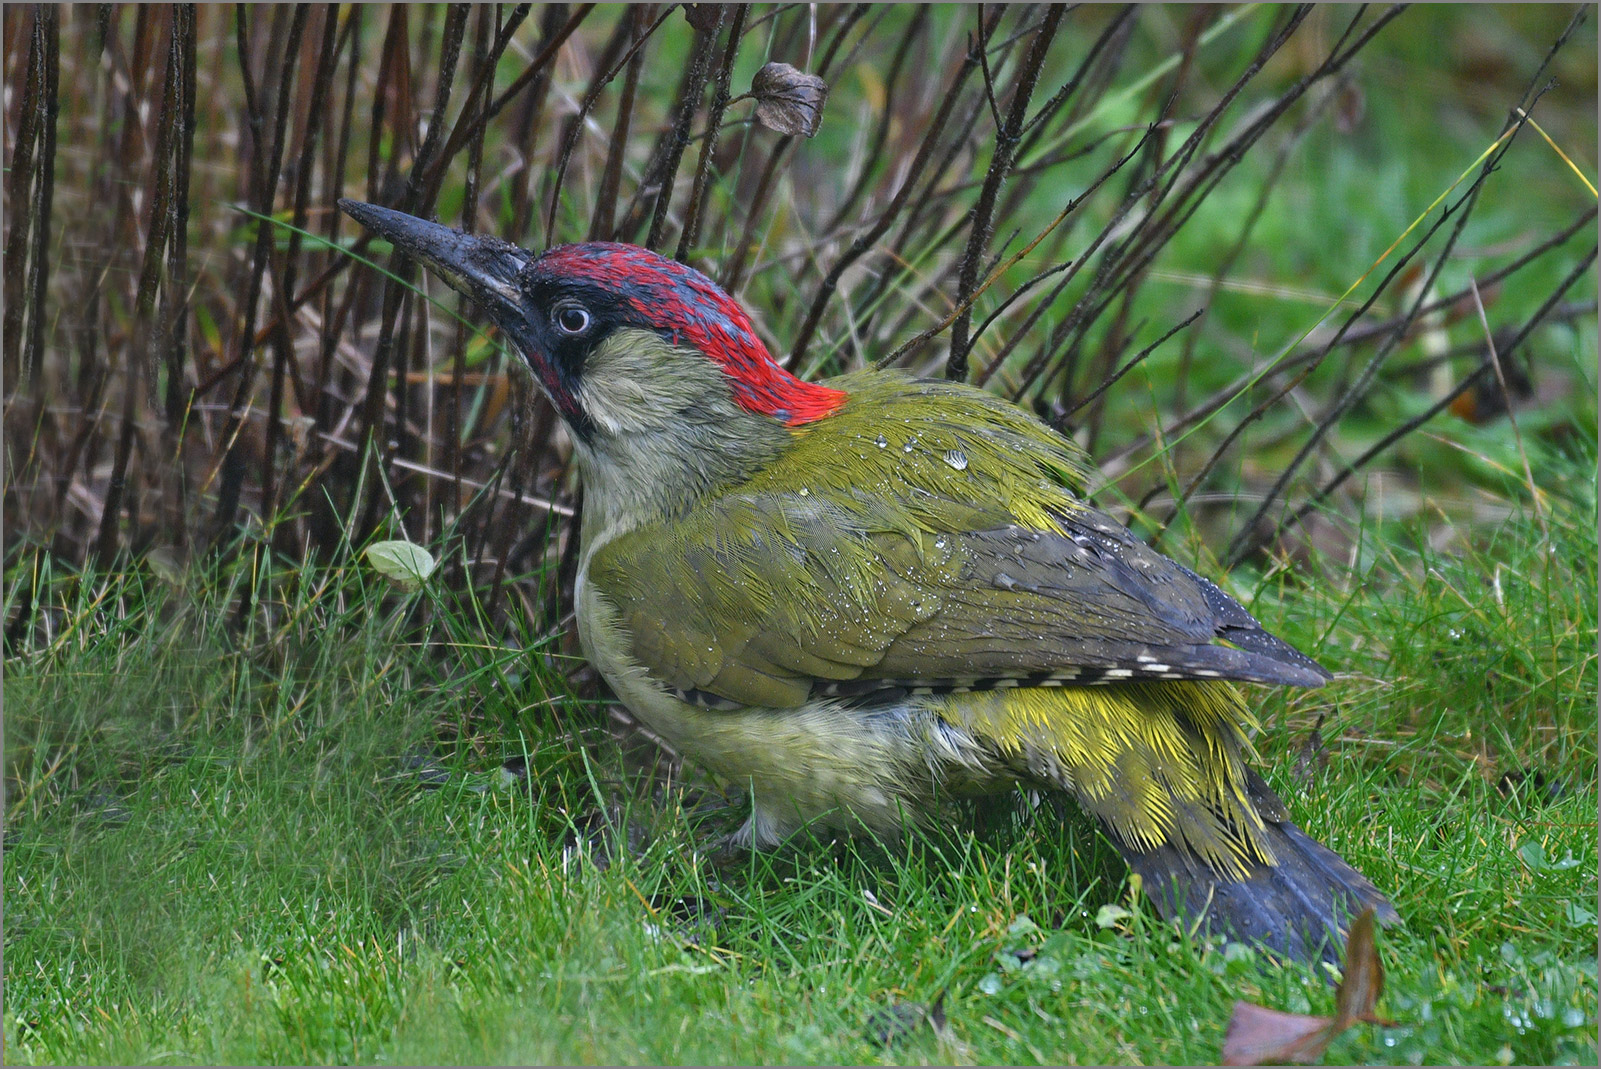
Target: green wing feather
{"type": "Point", "coordinates": [888, 549]}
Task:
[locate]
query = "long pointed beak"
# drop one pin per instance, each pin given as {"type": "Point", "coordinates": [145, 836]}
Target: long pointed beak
{"type": "Point", "coordinates": [482, 267]}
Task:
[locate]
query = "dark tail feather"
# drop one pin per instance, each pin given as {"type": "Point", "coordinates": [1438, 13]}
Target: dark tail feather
{"type": "Point", "coordinates": [1299, 907]}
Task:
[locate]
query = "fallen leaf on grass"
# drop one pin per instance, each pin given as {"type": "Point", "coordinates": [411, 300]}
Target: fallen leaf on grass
{"type": "Point", "coordinates": [1363, 978]}
{"type": "Point", "coordinates": [1258, 1035]}
{"type": "Point", "coordinates": [403, 563]}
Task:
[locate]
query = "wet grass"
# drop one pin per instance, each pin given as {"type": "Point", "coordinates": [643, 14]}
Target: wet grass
{"type": "Point", "coordinates": [237, 841]}
{"type": "Point", "coordinates": [263, 808]}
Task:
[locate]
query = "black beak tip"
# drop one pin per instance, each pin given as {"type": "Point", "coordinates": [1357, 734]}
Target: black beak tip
{"type": "Point", "coordinates": [371, 216]}
{"type": "Point", "coordinates": [407, 233]}
{"type": "Point", "coordinates": [479, 266]}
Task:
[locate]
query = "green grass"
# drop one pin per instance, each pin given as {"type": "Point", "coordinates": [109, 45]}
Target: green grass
{"type": "Point", "coordinates": [282, 833]}
{"type": "Point", "coordinates": [222, 846]}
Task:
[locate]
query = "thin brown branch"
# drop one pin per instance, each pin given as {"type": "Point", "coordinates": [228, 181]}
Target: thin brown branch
{"type": "Point", "coordinates": [1008, 134]}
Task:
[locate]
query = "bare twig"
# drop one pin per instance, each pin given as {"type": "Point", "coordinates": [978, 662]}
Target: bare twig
{"type": "Point", "coordinates": [703, 168]}
{"type": "Point", "coordinates": [865, 241]}
{"type": "Point", "coordinates": [1412, 424]}
{"type": "Point", "coordinates": [1008, 134]}
{"type": "Point", "coordinates": [1512, 418]}
{"type": "Point", "coordinates": [689, 101]}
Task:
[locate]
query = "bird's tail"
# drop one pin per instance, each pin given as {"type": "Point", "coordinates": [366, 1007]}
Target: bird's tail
{"type": "Point", "coordinates": [1162, 765]}
{"type": "Point", "coordinates": [1299, 905]}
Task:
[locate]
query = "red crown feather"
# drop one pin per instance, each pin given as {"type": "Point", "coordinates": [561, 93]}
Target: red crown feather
{"type": "Point", "coordinates": [690, 308]}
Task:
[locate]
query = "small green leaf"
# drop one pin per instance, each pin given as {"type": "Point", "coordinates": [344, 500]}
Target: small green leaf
{"type": "Point", "coordinates": [1043, 966]}
{"type": "Point", "coordinates": [990, 984]}
{"type": "Point", "coordinates": [404, 563]}
{"type": "Point", "coordinates": [1239, 959]}
{"type": "Point", "coordinates": [1022, 925]}
{"type": "Point", "coordinates": [1110, 915]}
{"type": "Point", "coordinates": [167, 563]}
{"type": "Point", "coordinates": [1534, 856]}
{"type": "Point", "coordinates": [1060, 943]}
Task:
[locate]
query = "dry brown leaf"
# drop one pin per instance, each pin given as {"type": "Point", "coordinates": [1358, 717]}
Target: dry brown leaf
{"type": "Point", "coordinates": [788, 100]}
{"type": "Point", "coordinates": [703, 17]}
{"type": "Point", "coordinates": [1257, 1035]}
{"type": "Point", "coordinates": [1363, 977]}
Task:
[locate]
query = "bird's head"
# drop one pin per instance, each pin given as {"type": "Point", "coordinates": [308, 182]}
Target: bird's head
{"type": "Point", "coordinates": [620, 339]}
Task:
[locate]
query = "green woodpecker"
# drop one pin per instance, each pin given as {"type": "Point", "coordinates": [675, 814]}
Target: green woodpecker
{"type": "Point", "coordinates": [858, 597]}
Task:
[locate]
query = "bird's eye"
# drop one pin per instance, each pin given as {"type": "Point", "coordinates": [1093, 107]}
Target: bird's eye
{"type": "Point", "coordinates": [571, 319]}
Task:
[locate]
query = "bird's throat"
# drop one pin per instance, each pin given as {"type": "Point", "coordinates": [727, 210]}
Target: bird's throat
{"type": "Point", "coordinates": [666, 431]}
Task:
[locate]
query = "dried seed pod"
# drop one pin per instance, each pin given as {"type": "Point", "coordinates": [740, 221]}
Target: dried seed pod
{"type": "Point", "coordinates": [788, 100]}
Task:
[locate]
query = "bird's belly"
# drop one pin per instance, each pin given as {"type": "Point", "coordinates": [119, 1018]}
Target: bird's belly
{"type": "Point", "coordinates": [825, 762]}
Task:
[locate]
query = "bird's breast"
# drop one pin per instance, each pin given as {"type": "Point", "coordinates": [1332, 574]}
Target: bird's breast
{"type": "Point", "coordinates": [826, 761]}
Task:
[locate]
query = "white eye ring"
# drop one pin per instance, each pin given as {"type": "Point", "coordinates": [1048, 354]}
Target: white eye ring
{"type": "Point", "coordinates": [572, 319]}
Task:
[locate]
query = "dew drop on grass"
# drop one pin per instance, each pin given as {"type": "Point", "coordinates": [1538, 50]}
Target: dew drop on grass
{"type": "Point", "coordinates": [881, 442]}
